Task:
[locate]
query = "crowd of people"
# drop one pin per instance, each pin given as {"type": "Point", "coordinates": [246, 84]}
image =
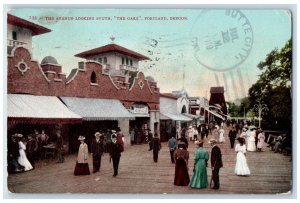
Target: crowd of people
{"type": "Point", "coordinates": [246, 139]}
{"type": "Point", "coordinates": [24, 151]}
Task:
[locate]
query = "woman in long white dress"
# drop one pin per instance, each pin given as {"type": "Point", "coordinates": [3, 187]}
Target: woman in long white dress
{"type": "Point", "coordinates": [251, 147]}
{"type": "Point", "coordinates": [241, 166]}
{"type": "Point", "coordinates": [22, 159]}
{"type": "Point", "coordinates": [221, 135]}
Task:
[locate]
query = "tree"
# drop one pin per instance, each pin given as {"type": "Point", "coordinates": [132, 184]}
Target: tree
{"type": "Point", "coordinates": [273, 87]}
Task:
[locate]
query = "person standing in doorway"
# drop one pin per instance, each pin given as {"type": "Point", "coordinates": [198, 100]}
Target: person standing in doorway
{"type": "Point", "coordinates": [156, 146]}
{"type": "Point", "coordinates": [216, 163]}
{"type": "Point", "coordinates": [97, 149]}
{"type": "Point", "coordinates": [172, 144]}
{"type": "Point", "coordinates": [59, 147]}
{"type": "Point", "coordinates": [132, 136]}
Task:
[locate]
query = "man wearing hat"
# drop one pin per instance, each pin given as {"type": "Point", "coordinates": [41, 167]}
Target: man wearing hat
{"type": "Point", "coordinates": [115, 153]}
{"type": "Point", "coordinates": [97, 149]}
{"type": "Point", "coordinates": [216, 163]}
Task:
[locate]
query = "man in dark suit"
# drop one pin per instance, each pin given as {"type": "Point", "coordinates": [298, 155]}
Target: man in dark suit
{"type": "Point", "coordinates": [232, 137]}
{"type": "Point", "coordinates": [156, 146]}
{"type": "Point", "coordinates": [97, 149]}
{"type": "Point", "coordinates": [115, 153]}
{"type": "Point", "coordinates": [216, 163]}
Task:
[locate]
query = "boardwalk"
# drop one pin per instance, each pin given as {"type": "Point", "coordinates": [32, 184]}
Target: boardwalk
{"type": "Point", "coordinates": [138, 174]}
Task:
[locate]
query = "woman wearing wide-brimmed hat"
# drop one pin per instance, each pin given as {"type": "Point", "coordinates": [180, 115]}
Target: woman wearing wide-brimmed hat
{"type": "Point", "coordinates": [82, 165]}
{"type": "Point", "coordinates": [22, 159]}
{"type": "Point", "coordinates": [241, 166]}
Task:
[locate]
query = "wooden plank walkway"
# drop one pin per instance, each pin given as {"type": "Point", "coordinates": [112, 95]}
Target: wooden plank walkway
{"type": "Point", "coordinates": [270, 174]}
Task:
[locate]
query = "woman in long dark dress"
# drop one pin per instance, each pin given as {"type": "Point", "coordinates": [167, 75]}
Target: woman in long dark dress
{"type": "Point", "coordinates": [82, 165]}
{"type": "Point", "coordinates": [181, 156]}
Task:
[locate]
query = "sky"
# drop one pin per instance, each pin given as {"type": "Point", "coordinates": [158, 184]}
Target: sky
{"type": "Point", "coordinates": [191, 49]}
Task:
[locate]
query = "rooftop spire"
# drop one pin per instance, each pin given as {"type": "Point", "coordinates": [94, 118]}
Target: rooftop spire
{"type": "Point", "coordinates": [112, 38]}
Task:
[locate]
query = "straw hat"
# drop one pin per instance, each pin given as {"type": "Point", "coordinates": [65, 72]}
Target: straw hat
{"type": "Point", "coordinates": [113, 131]}
{"type": "Point", "coordinates": [98, 134]}
{"type": "Point", "coordinates": [212, 141]}
{"type": "Point", "coordinates": [81, 138]}
{"type": "Point", "coordinates": [19, 135]}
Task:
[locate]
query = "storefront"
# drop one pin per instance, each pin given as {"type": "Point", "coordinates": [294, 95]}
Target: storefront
{"type": "Point", "coordinates": [100, 93]}
{"type": "Point", "coordinates": [97, 115]}
{"type": "Point", "coordinates": [26, 113]}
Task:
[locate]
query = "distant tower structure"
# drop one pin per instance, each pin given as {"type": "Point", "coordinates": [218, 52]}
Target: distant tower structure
{"type": "Point", "coordinates": [217, 98]}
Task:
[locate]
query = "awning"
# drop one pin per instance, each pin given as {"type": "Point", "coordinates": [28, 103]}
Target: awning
{"type": "Point", "coordinates": [38, 109]}
{"type": "Point", "coordinates": [215, 114]}
{"type": "Point", "coordinates": [97, 109]}
{"type": "Point", "coordinates": [138, 115]}
{"type": "Point", "coordinates": [192, 116]}
{"type": "Point", "coordinates": [174, 117]}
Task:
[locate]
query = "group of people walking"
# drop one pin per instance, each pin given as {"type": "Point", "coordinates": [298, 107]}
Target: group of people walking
{"type": "Point", "coordinates": [180, 156]}
{"type": "Point", "coordinates": [98, 146]}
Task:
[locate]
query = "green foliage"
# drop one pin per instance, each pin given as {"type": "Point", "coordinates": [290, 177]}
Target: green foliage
{"type": "Point", "coordinates": [273, 87]}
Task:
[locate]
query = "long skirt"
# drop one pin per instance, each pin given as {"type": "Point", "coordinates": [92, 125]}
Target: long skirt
{"type": "Point", "coordinates": [23, 161]}
{"type": "Point", "coordinates": [241, 166]}
{"type": "Point", "coordinates": [181, 173]}
{"type": "Point", "coordinates": [81, 169]}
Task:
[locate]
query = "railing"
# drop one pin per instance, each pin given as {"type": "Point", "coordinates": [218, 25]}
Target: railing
{"type": "Point", "coordinates": [127, 67]}
{"type": "Point", "coordinates": [14, 43]}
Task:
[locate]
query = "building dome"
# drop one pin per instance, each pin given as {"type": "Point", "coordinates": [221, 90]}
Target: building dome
{"type": "Point", "coordinates": [49, 59]}
{"type": "Point", "coordinates": [150, 79]}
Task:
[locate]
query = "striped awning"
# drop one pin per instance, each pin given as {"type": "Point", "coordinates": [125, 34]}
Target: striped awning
{"type": "Point", "coordinates": [92, 109]}
{"type": "Point", "coordinates": [174, 117]}
{"type": "Point", "coordinates": [38, 109]}
{"type": "Point", "coordinates": [215, 114]}
{"type": "Point", "coordinates": [192, 116]}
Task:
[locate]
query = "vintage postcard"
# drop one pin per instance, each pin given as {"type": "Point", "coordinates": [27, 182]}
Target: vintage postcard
{"type": "Point", "coordinates": [149, 101]}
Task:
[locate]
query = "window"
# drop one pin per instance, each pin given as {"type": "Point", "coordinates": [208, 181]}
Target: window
{"type": "Point", "coordinates": [105, 60]}
{"type": "Point", "coordinates": [93, 77]}
{"type": "Point", "coordinates": [123, 60]}
{"type": "Point", "coordinates": [127, 61]}
{"type": "Point", "coordinates": [14, 35]}
{"type": "Point", "coordinates": [131, 62]}
{"type": "Point", "coordinates": [100, 60]}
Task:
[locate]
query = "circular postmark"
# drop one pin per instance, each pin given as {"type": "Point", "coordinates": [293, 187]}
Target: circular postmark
{"type": "Point", "coordinates": [222, 39]}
